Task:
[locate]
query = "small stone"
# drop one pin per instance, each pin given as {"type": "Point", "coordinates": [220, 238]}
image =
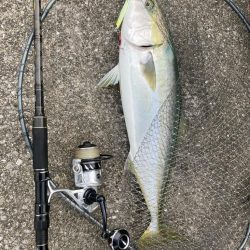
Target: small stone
{"type": "Point", "coordinates": [24, 207]}
{"type": "Point", "coordinates": [3, 218]}
{"type": "Point", "coordinates": [19, 162]}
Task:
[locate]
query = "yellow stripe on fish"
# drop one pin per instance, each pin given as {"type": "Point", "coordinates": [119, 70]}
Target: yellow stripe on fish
{"type": "Point", "coordinates": [122, 14]}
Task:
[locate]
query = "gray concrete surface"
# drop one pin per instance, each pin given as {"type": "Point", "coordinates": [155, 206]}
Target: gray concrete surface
{"type": "Point", "coordinates": [80, 45]}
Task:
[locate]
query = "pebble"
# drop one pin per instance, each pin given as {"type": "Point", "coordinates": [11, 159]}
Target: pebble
{"type": "Point", "coordinates": [19, 162]}
{"type": "Point", "coordinates": [3, 217]}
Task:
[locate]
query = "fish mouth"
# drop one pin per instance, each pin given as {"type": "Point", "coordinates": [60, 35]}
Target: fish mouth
{"type": "Point", "coordinates": [142, 46]}
{"type": "Point", "coordinates": [147, 46]}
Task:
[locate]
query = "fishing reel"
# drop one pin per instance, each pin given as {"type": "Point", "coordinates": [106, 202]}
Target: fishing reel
{"type": "Point", "coordinates": [86, 167]}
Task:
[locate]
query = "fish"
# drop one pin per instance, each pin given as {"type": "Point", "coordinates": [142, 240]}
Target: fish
{"type": "Point", "coordinates": [148, 77]}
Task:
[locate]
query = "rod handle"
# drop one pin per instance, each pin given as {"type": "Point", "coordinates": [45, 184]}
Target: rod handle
{"type": "Point", "coordinates": [40, 143]}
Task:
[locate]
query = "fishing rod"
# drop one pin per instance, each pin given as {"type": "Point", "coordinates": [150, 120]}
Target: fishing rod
{"type": "Point", "coordinates": [86, 163]}
{"type": "Point", "coordinates": [40, 142]}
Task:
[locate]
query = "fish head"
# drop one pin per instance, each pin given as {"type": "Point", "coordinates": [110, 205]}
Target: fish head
{"type": "Point", "coordinates": [143, 25]}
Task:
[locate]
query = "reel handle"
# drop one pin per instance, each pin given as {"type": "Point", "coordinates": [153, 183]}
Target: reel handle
{"type": "Point", "coordinates": [90, 197]}
{"type": "Point", "coordinates": [118, 239]}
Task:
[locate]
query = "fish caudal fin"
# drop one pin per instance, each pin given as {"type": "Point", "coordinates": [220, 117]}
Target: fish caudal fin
{"type": "Point", "coordinates": [152, 238]}
{"type": "Point", "coordinates": [111, 78]}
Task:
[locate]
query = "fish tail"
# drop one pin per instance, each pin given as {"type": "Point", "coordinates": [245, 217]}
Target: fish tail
{"type": "Point", "coordinates": [158, 237]}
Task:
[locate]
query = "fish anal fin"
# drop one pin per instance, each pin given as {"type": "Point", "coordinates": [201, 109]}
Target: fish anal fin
{"type": "Point", "coordinates": [111, 78]}
{"type": "Point", "coordinates": [129, 166]}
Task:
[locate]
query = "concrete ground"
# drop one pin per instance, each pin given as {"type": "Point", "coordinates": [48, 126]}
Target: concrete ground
{"type": "Point", "coordinates": [80, 45]}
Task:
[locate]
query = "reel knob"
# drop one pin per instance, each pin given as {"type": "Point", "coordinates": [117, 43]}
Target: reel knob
{"type": "Point", "coordinates": [119, 239]}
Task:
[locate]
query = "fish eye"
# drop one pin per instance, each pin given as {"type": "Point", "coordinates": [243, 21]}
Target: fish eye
{"type": "Point", "coordinates": [150, 4]}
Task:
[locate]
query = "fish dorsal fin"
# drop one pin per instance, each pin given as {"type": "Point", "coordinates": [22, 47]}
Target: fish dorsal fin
{"type": "Point", "coordinates": [122, 14]}
{"type": "Point", "coordinates": [111, 78]}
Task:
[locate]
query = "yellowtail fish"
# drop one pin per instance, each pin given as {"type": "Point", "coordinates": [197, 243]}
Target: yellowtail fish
{"type": "Point", "coordinates": [148, 82]}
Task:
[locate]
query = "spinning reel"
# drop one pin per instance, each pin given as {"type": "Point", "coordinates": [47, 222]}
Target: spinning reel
{"type": "Point", "coordinates": [86, 167]}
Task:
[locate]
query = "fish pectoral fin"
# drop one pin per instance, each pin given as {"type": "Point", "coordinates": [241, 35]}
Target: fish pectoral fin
{"type": "Point", "coordinates": [111, 78]}
{"type": "Point", "coordinates": [148, 70]}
